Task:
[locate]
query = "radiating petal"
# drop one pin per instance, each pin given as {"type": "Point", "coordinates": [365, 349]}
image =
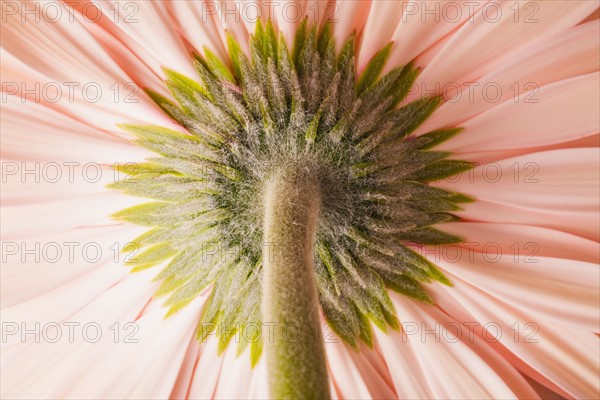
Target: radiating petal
{"type": "Point", "coordinates": [558, 353]}
{"type": "Point", "coordinates": [530, 190]}
{"type": "Point", "coordinates": [143, 369]}
{"type": "Point", "coordinates": [344, 373]}
{"type": "Point", "coordinates": [186, 371]}
{"type": "Point", "coordinates": [583, 224]}
{"type": "Point", "coordinates": [381, 24]}
{"type": "Point", "coordinates": [499, 30]}
{"type": "Point", "coordinates": [238, 370]}
{"type": "Point", "coordinates": [146, 25]}
{"type": "Point", "coordinates": [46, 366]}
{"type": "Point", "coordinates": [408, 375]}
{"type": "Point", "coordinates": [65, 68]}
{"type": "Point", "coordinates": [205, 380]}
{"type": "Point", "coordinates": [557, 113]}
{"type": "Point", "coordinates": [26, 221]}
{"type": "Point", "coordinates": [450, 363]}
{"type": "Point", "coordinates": [557, 180]}
{"type": "Point", "coordinates": [350, 16]}
{"type": "Point", "coordinates": [203, 23]}
{"type": "Point", "coordinates": [551, 289]}
{"type": "Point", "coordinates": [527, 71]}
{"type": "Point", "coordinates": [522, 241]}
{"type": "Point", "coordinates": [423, 23]}
{"type": "Point", "coordinates": [35, 265]}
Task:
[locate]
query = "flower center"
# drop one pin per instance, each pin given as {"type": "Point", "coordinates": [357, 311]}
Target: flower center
{"type": "Point", "coordinates": [294, 112]}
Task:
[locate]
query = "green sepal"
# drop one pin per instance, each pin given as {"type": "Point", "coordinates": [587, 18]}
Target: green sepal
{"type": "Point", "coordinates": [437, 275]}
{"type": "Point", "coordinates": [217, 67]}
{"type": "Point", "coordinates": [460, 198]}
{"type": "Point", "coordinates": [132, 170]}
{"type": "Point", "coordinates": [313, 128]}
{"type": "Point", "coordinates": [256, 350]}
{"type": "Point", "coordinates": [325, 38]}
{"type": "Point", "coordinates": [163, 102]}
{"type": "Point", "coordinates": [170, 143]}
{"type": "Point", "coordinates": [187, 291]}
{"type": "Point", "coordinates": [429, 236]}
{"type": "Point", "coordinates": [391, 318]}
{"type": "Point", "coordinates": [345, 324]}
{"type": "Point", "coordinates": [176, 307]}
{"type": "Point", "coordinates": [441, 170]}
{"type": "Point", "coordinates": [365, 329]}
{"type": "Point", "coordinates": [299, 38]}
{"type": "Point", "coordinates": [148, 214]}
{"type": "Point", "coordinates": [436, 137]}
{"type": "Point", "coordinates": [406, 286]}
{"type": "Point", "coordinates": [408, 118]}
{"type": "Point", "coordinates": [236, 56]}
{"type": "Point", "coordinates": [169, 285]}
{"type": "Point", "coordinates": [373, 69]}
{"type": "Point", "coordinates": [162, 187]}
{"type": "Point", "coordinates": [326, 258]}
{"type": "Point", "coordinates": [404, 83]}
{"type": "Point", "coordinates": [347, 70]}
{"type": "Point", "coordinates": [161, 213]}
{"type": "Point", "coordinates": [183, 88]}
{"type": "Point", "coordinates": [190, 262]}
{"type": "Point", "coordinates": [434, 204]}
{"type": "Point", "coordinates": [150, 257]}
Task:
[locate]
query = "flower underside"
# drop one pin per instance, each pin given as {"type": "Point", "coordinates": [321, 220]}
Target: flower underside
{"type": "Point", "coordinates": [306, 107]}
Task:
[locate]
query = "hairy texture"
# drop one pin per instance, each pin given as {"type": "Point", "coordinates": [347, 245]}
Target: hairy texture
{"type": "Point", "coordinates": [295, 352]}
{"type": "Point", "coordinates": [249, 118]}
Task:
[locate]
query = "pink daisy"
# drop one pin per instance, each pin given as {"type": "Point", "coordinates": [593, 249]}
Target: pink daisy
{"type": "Point", "coordinates": [300, 199]}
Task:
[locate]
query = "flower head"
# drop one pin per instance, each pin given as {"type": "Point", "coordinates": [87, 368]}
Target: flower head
{"type": "Point", "coordinates": [394, 174]}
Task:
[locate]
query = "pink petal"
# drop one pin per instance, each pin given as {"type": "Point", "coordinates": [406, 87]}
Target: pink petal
{"type": "Point", "coordinates": [558, 353]}
{"type": "Point", "coordinates": [33, 132]}
{"type": "Point", "coordinates": [287, 15]}
{"type": "Point", "coordinates": [57, 181]}
{"type": "Point", "coordinates": [235, 369]}
{"type": "Point", "coordinates": [27, 221]}
{"type": "Point", "coordinates": [344, 374]}
{"type": "Point", "coordinates": [409, 377]}
{"type": "Point", "coordinates": [423, 24]}
{"type": "Point", "coordinates": [60, 303]}
{"type": "Point", "coordinates": [80, 81]}
{"type": "Point", "coordinates": [373, 368]}
{"type": "Point", "coordinates": [318, 11]}
{"type": "Point", "coordinates": [564, 111]}
{"type": "Point", "coordinates": [528, 70]}
{"type": "Point", "coordinates": [485, 157]}
{"type": "Point", "coordinates": [523, 241]}
{"type": "Point", "coordinates": [494, 36]}
{"type": "Point", "coordinates": [143, 369]}
{"type": "Point", "coordinates": [202, 23]}
{"type": "Point", "coordinates": [350, 16]}
{"type": "Point", "coordinates": [182, 384]}
{"type": "Point", "coordinates": [557, 180]}
{"type": "Point", "coordinates": [36, 265]}
{"type": "Point", "coordinates": [453, 367]}
{"type": "Point", "coordinates": [550, 289]}
{"type": "Point", "coordinates": [584, 224]}
{"type": "Point", "coordinates": [146, 25]}
{"type": "Point", "coordinates": [206, 375]}
{"type": "Point", "coordinates": [260, 387]}
{"type": "Point", "coordinates": [384, 17]}
{"type": "Point", "coordinates": [30, 375]}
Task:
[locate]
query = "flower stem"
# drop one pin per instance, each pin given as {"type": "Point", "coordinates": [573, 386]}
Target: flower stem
{"type": "Point", "coordinates": [294, 346]}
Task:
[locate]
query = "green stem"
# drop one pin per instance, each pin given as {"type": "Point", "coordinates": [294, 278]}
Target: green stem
{"type": "Point", "coordinates": [293, 346]}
